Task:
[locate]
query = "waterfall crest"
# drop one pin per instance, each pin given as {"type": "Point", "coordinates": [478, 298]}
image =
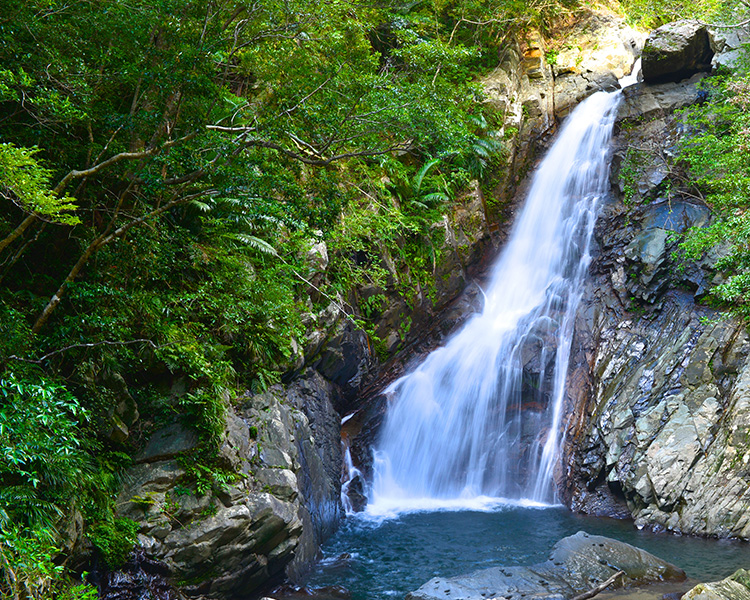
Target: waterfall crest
{"type": "Point", "coordinates": [480, 417]}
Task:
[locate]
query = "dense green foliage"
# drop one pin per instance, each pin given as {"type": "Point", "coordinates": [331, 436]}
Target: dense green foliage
{"type": "Point", "coordinates": [165, 166]}
{"type": "Point", "coordinates": [653, 13]}
{"type": "Point", "coordinates": [715, 151]}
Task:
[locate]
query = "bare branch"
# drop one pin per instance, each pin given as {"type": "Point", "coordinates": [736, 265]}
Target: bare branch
{"type": "Point", "coordinates": [599, 588]}
{"type": "Point", "coordinates": [230, 129]}
{"type": "Point", "coordinates": [325, 161]}
{"type": "Point", "coordinates": [40, 360]}
{"type": "Point", "coordinates": [311, 94]}
{"type": "Point", "coordinates": [721, 26]}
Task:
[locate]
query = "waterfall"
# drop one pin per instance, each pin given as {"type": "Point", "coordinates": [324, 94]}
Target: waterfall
{"type": "Point", "coordinates": [480, 418]}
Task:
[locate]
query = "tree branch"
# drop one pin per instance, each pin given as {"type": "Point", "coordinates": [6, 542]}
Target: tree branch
{"type": "Point", "coordinates": [40, 360]}
{"type": "Point", "coordinates": [17, 232]}
{"type": "Point", "coordinates": [118, 158]}
{"type": "Point", "coordinates": [599, 588]}
{"type": "Point", "coordinates": [98, 243]}
{"type": "Point", "coordinates": [324, 161]}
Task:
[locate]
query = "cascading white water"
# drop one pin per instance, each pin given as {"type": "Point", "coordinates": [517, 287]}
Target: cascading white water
{"type": "Point", "coordinates": [480, 417]}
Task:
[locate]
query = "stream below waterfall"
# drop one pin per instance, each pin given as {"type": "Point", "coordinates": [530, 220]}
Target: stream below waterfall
{"type": "Point", "coordinates": [384, 559]}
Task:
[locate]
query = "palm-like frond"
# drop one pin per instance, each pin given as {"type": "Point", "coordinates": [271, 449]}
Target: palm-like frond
{"type": "Point", "coordinates": [253, 242]}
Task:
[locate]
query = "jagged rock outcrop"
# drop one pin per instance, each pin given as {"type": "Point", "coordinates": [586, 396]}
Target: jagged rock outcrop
{"type": "Point", "coordinates": [676, 51]}
{"type": "Point", "coordinates": [577, 564]}
{"type": "Point", "coordinates": [223, 542]}
{"type": "Point", "coordinates": [728, 45]}
{"type": "Point", "coordinates": [660, 383]}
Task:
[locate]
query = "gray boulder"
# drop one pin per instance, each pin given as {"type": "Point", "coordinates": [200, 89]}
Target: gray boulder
{"type": "Point", "coordinates": [577, 564]}
{"type": "Point", "coordinates": [283, 447]}
{"type": "Point", "coordinates": [676, 51]}
{"type": "Point", "coordinates": [734, 587]}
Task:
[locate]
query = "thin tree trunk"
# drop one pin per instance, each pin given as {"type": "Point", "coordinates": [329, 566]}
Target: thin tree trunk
{"type": "Point", "coordinates": [18, 231]}
{"type": "Point", "coordinates": [57, 297]}
{"type": "Point", "coordinates": [94, 246]}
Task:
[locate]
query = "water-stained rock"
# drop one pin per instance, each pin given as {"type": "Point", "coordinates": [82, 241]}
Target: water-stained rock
{"type": "Point", "coordinates": [577, 564]}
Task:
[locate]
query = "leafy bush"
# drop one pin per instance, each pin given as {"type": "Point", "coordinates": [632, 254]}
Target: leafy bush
{"type": "Point", "coordinates": [45, 466]}
{"type": "Point", "coordinates": [28, 570]}
{"type": "Point", "coordinates": [716, 150]}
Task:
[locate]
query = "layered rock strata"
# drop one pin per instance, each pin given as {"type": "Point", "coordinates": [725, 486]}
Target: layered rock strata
{"type": "Point", "coordinates": [660, 384]}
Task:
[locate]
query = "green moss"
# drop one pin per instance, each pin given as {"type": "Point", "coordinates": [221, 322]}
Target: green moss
{"type": "Point", "coordinates": [114, 540]}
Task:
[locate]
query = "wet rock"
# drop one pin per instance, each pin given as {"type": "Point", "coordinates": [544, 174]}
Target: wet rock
{"type": "Point", "coordinates": [734, 587]}
{"type": "Point", "coordinates": [576, 564]}
{"type": "Point", "coordinates": [676, 51]}
{"type": "Point", "coordinates": [139, 574]}
{"type": "Point", "coordinates": [355, 491]}
{"type": "Point", "coordinates": [294, 592]}
{"type": "Point", "coordinates": [320, 459]}
{"type": "Point", "coordinates": [572, 88]}
{"type": "Point", "coordinates": [345, 359]}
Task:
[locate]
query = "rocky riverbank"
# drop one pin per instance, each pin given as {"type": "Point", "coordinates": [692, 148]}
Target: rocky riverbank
{"type": "Point", "coordinates": [576, 565]}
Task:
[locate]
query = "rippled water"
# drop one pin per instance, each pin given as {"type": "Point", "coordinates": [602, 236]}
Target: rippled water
{"type": "Point", "coordinates": [389, 557]}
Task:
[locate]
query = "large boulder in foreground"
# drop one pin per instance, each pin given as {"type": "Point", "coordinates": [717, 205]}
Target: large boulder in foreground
{"type": "Point", "coordinates": [577, 564]}
{"type": "Point", "coordinates": [676, 51]}
{"type": "Point", "coordinates": [734, 587]}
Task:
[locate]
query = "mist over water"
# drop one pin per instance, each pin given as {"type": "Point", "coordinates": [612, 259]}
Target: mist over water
{"type": "Point", "coordinates": [478, 421]}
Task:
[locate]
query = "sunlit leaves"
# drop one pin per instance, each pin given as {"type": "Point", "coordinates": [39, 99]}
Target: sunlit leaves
{"type": "Point", "coordinates": [43, 461]}
{"type": "Point", "coordinates": [26, 183]}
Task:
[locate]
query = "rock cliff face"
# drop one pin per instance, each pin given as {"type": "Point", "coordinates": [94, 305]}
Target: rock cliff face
{"type": "Point", "coordinates": [284, 447]}
{"type": "Point", "coordinates": [659, 388]}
